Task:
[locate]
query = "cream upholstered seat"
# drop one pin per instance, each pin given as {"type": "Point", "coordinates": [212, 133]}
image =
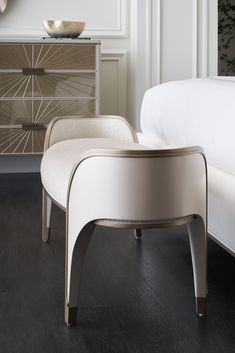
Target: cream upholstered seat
{"type": "Point", "coordinates": [117, 183]}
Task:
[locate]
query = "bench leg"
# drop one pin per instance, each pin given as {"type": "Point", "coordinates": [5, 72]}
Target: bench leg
{"type": "Point", "coordinates": [73, 271]}
{"type": "Point", "coordinates": [198, 245]}
{"type": "Point", "coordinates": [46, 216]}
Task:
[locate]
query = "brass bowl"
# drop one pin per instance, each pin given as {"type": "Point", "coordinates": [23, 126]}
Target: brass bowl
{"type": "Point", "coordinates": [3, 5]}
{"type": "Point", "coordinates": [63, 29]}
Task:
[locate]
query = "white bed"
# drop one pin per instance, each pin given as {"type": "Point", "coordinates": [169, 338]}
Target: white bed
{"type": "Point", "coordinates": [199, 112]}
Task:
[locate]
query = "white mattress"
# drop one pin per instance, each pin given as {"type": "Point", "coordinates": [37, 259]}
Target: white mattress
{"type": "Point", "coordinates": [221, 207]}
{"type": "Point", "coordinates": [193, 112]}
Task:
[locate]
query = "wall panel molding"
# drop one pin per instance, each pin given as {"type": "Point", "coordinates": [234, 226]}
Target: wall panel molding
{"type": "Point", "coordinates": [202, 38]}
{"type": "Point", "coordinates": [148, 54]}
{"type": "Point", "coordinates": [119, 31]}
{"type": "Point", "coordinates": [212, 37]}
{"type": "Point", "coordinates": [207, 38]}
{"type": "Point", "coordinates": [16, 22]}
{"type": "Point", "coordinates": [195, 38]}
{"type": "Point", "coordinates": [114, 82]}
{"type": "Point", "coordinates": [203, 51]}
{"type": "Point", "coordinates": [156, 42]}
{"type": "Point", "coordinates": [170, 40]}
{"type": "Point", "coordinates": [174, 40]}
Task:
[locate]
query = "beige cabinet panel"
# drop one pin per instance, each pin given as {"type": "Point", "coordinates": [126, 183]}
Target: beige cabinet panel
{"type": "Point", "coordinates": [48, 56]}
{"type": "Point", "coordinates": [40, 81]}
{"type": "Point", "coordinates": [26, 121]}
{"type": "Point", "coordinates": [54, 84]}
{"type": "Point", "coordinates": [56, 56]}
{"type": "Point", "coordinates": [15, 56]}
{"type": "Point", "coordinates": [20, 140]}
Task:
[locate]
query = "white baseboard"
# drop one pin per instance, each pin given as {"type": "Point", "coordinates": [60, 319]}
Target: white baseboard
{"type": "Point", "coordinates": [20, 164]}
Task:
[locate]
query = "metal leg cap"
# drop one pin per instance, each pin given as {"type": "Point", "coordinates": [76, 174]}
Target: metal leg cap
{"type": "Point", "coordinates": [138, 233]}
{"type": "Point", "coordinates": [46, 235]}
{"type": "Point", "coordinates": [201, 306]}
{"type": "Point", "coordinates": [70, 315]}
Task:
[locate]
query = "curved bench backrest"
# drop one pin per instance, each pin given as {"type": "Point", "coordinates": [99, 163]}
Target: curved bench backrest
{"type": "Point", "coordinates": [72, 127]}
{"type": "Point", "coordinates": [140, 185]}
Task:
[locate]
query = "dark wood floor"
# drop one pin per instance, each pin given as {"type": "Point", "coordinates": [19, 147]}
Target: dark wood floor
{"type": "Point", "coordinates": [137, 296]}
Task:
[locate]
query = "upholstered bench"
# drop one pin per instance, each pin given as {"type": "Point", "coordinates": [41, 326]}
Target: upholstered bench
{"type": "Point", "coordinates": [94, 169]}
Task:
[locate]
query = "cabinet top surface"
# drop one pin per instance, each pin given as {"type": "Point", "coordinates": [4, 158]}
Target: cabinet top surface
{"type": "Point", "coordinates": [47, 40]}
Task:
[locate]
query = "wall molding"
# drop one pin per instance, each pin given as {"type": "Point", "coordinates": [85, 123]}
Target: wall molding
{"type": "Point", "coordinates": [202, 33]}
{"type": "Point", "coordinates": [156, 44]}
{"type": "Point", "coordinates": [212, 37]}
{"type": "Point", "coordinates": [152, 43]}
{"type": "Point", "coordinates": [201, 38]}
{"type": "Point", "coordinates": [119, 30]}
{"type": "Point", "coordinates": [120, 58]}
{"type": "Point", "coordinates": [148, 45]}
{"type": "Point", "coordinates": [153, 36]}
{"type": "Point", "coordinates": [204, 39]}
{"type": "Point", "coordinates": [195, 38]}
{"type": "Point", "coordinates": [148, 36]}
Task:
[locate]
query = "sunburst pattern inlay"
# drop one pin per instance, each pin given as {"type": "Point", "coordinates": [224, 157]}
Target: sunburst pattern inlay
{"type": "Point", "coordinates": [39, 112]}
{"type": "Point", "coordinates": [47, 85]}
{"type": "Point", "coordinates": [39, 82]}
{"type": "Point", "coordinates": [48, 56]}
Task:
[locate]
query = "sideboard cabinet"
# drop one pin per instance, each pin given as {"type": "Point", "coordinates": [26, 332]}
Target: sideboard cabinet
{"type": "Point", "coordinates": [41, 79]}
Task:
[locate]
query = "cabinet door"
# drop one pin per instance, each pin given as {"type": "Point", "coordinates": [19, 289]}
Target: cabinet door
{"type": "Point", "coordinates": [16, 56]}
{"type": "Point", "coordinates": [23, 122]}
{"type": "Point", "coordinates": [48, 56]}
{"type": "Point", "coordinates": [17, 140]}
{"type": "Point", "coordinates": [65, 56]}
{"type": "Point", "coordinates": [65, 85]}
{"type": "Point", "coordinates": [39, 82]}
{"type": "Point", "coordinates": [48, 84]}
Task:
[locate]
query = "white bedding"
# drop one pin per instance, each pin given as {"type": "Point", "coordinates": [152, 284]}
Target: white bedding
{"type": "Point", "coordinates": [193, 112]}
